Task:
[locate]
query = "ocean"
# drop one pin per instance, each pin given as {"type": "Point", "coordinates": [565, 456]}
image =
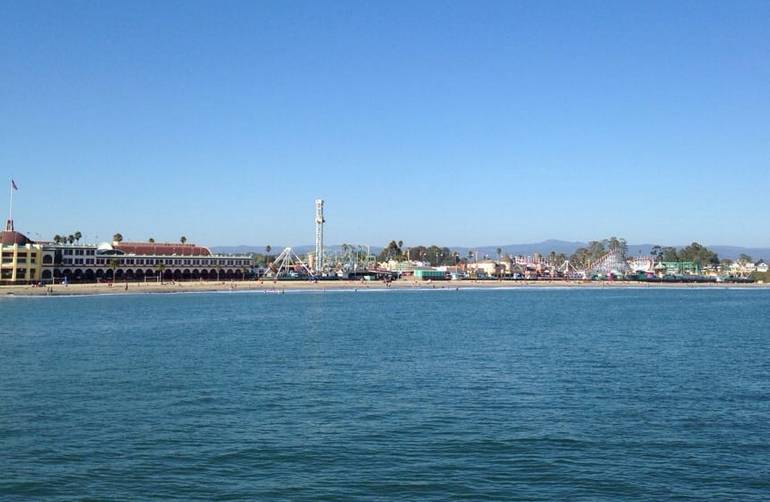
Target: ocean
{"type": "Point", "coordinates": [537, 394]}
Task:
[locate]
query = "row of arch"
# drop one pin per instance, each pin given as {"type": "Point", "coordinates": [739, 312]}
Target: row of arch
{"type": "Point", "coordinates": [120, 274]}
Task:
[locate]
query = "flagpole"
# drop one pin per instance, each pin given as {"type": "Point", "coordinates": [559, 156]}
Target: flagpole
{"type": "Point", "coordinates": [10, 209]}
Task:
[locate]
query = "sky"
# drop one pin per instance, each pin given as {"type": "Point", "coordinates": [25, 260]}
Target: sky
{"type": "Point", "coordinates": [454, 123]}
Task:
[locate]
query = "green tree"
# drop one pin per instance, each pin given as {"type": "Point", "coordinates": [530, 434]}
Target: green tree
{"type": "Point", "coordinates": [617, 245]}
{"type": "Point", "coordinates": [183, 239]}
{"type": "Point", "coordinates": [160, 268]}
{"type": "Point", "coordinates": [151, 240]}
{"type": "Point", "coordinates": [744, 259]}
{"type": "Point", "coordinates": [118, 237]}
{"type": "Point", "coordinates": [58, 239]}
{"type": "Point", "coordinates": [78, 236]}
{"type": "Point", "coordinates": [392, 251]}
{"type": "Point", "coordinates": [70, 238]}
{"type": "Point", "coordinates": [113, 264]}
{"type": "Point", "coordinates": [669, 253]}
{"type": "Point", "coordinates": [699, 254]}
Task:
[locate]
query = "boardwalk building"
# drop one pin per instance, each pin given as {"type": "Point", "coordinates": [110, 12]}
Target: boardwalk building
{"type": "Point", "coordinates": [140, 261]}
{"type": "Point", "coordinates": [27, 262]}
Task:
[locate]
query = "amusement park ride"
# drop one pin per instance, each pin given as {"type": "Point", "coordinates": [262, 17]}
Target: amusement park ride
{"type": "Point", "coordinates": [350, 260]}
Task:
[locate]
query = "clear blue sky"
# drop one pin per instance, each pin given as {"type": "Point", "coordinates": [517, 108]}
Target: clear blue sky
{"type": "Point", "coordinates": [457, 123]}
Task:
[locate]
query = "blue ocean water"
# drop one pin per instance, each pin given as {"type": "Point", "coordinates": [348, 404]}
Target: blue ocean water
{"type": "Point", "coordinates": [412, 395]}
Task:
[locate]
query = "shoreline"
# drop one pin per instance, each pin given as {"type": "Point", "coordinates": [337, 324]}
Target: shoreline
{"type": "Point", "coordinates": [287, 286]}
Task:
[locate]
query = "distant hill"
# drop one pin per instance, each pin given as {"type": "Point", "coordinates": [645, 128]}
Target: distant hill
{"type": "Point", "coordinates": [303, 249]}
{"type": "Point", "coordinates": [544, 247]}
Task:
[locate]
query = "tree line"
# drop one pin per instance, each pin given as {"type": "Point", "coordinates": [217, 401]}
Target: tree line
{"type": "Point", "coordinates": [434, 255]}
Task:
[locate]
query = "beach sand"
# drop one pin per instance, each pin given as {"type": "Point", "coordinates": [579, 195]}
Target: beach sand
{"type": "Point", "coordinates": [279, 286]}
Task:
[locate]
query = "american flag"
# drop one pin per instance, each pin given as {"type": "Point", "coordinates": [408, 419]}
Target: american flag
{"type": "Point", "coordinates": [13, 185]}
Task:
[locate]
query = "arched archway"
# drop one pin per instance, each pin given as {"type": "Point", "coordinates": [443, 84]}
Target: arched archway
{"type": "Point", "coordinates": [100, 274]}
{"type": "Point", "coordinates": [108, 274]}
{"type": "Point", "coordinates": [229, 274]}
{"type": "Point", "coordinates": [213, 275]}
{"type": "Point", "coordinates": [67, 273]}
{"type": "Point", "coordinates": [168, 274]}
{"type": "Point", "coordinates": [47, 259]}
{"type": "Point", "coordinates": [238, 275]}
{"type": "Point", "coordinates": [196, 274]}
{"type": "Point", "coordinates": [204, 274]}
{"type": "Point", "coordinates": [89, 275]}
{"type": "Point", "coordinates": [139, 274]}
{"type": "Point", "coordinates": [119, 274]}
{"type": "Point", "coordinates": [129, 275]}
{"type": "Point", "coordinates": [46, 274]}
{"type": "Point", "coordinates": [57, 273]}
{"type": "Point", "coordinates": [186, 275]}
{"type": "Point", "coordinates": [177, 274]}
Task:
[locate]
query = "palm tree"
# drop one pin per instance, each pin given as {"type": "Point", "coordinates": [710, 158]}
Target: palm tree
{"type": "Point", "coordinates": [268, 248]}
{"type": "Point", "coordinates": [183, 239]}
{"type": "Point", "coordinates": [117, 237]}
{"type": "Point", "coordinates": [114, 262]}
{"type": "Point", "coordinates": [57, 239]}
{"type": "Point", "coordinates": [499, 253]}
{"type": "Point", "coordinates": [160, 267]}
{"type": "Point", "coordinates": [77, 236]}
{"type": "Point", "coordinates": [70, 238]}
{"type": "Point", "coordinates": [151, 240]}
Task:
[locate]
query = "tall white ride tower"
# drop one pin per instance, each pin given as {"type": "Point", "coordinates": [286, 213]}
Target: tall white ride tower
{"type": "Point", "coordinates": [319, 236]}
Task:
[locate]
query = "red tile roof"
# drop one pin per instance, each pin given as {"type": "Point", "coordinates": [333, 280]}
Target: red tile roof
{"type": "Point", "coordinates": [162, 248]}
{"type": "Point", "coordinates": [11, 237]}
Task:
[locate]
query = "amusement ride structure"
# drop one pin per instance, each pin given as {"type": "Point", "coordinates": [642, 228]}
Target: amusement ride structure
{"type": "Point", "coordinates": [319, 236]}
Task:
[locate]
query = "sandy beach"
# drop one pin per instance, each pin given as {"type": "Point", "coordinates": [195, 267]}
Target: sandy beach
{"type": "Point", "coordinates": [279, 286]}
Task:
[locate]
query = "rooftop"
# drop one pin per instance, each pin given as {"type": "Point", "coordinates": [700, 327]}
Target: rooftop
{"type": "Point", "coordinates": [161, 248]}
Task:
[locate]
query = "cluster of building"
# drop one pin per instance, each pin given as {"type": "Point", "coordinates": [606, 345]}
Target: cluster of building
{"type": "Point", "coordinates": [613, 264]}
{"type": "Point", "coordinates": [25, 261]}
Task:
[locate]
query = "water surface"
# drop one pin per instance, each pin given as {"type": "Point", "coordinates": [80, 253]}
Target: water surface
{"type": "Point", "coordinates": [477, 395]}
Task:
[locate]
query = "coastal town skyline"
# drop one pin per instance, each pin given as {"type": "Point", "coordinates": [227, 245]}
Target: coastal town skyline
{"type": "Point", "coordinates": [467, 126]}
{"type": "Point", "coordinates": [729, 251]}
{"type": "Point", "coordinates": [545, 246]}
{"type": "Point", "coordinates": [541, 247]}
